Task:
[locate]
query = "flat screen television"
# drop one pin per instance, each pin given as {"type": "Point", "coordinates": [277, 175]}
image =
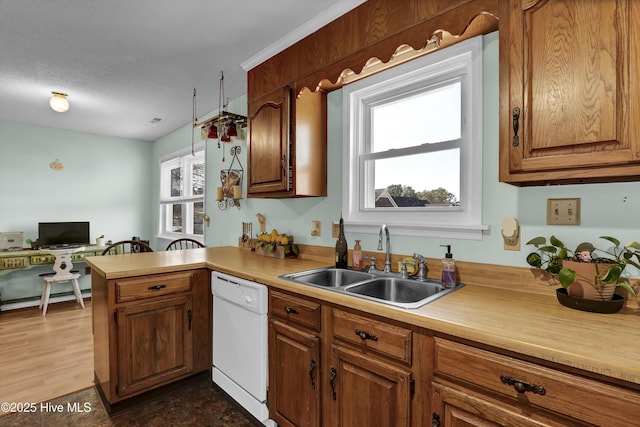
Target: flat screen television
{"type": "Point", "coordinates": [52, 234]}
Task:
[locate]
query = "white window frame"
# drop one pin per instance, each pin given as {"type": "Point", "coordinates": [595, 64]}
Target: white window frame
{"type": "Point", "coordinates": [183, 158]}
{"type": "Point", "coordinates": [460, 62]}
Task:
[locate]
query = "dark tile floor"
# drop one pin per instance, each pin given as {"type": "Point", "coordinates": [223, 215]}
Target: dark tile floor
{"type": "Point", "coordinates": [195, 403]}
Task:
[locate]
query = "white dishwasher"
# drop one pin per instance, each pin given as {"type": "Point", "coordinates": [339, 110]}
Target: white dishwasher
{"type": "Point", "coordinates": [240, 342]}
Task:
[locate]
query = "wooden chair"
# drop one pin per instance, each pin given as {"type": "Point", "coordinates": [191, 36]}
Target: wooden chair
{"type": "Point", "coordinates": [184, 244]}
{"type": "Point", "coordinates": [127, 246]}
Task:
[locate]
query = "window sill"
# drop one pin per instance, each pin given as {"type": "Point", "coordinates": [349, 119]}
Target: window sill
{"type": "Point", "coordinates": [465, 232]}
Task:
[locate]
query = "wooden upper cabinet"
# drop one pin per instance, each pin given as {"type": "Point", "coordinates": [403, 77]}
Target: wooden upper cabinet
{"type": "Point", "coordinates": [287, 146]}
{"type": "Point", "coordinates": [268, 143]}
{"type": "Point", "coordinates": [568, 91]}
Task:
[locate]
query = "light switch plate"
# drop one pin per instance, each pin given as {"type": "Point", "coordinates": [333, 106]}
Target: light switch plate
{"type": "Point", "coordinates": [563, 211]}
{"type": "Point", "coordinates": [335, 230]}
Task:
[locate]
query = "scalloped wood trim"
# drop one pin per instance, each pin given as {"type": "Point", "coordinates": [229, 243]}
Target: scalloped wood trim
{"type": "Point", "coordinates": [482, 23]}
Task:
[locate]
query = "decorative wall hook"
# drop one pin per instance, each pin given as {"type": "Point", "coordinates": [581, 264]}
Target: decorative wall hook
{"type": "Point", "coordinates": [57, 165]}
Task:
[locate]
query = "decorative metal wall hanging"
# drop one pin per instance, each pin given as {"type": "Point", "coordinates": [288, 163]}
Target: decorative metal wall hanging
{"type": "Point", "coordinates": [230, 193]}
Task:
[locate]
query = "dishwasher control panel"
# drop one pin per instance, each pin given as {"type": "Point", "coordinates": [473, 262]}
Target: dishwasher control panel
{"type": "Point", "coordinates": [250, 295]}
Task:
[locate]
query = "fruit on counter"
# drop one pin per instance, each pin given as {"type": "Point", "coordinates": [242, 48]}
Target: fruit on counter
{"type": "Point", "coordinates": [270, 241]}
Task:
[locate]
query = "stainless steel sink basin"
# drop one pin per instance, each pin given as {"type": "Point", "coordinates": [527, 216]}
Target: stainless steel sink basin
{"type": "Point", "coordinates": [396, 291]}
{"type": "Point", "coordinates": [377, 286]}
{"type": "Point", "coordinates": [329, 277]}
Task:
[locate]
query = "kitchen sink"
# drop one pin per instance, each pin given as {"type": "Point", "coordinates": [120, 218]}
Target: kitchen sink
{"type": "Point", "coordinates": [329, 277]}
{"type": "Point", "coordinates": [376, 286]}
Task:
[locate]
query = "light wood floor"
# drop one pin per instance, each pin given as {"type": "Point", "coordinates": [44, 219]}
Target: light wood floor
{"type": "Point", "coordinates": [43, 357]}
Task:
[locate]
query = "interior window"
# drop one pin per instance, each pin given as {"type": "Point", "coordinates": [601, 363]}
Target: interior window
{"type": "Point", "coordinates": [413, 156]}
{"type": "Point", "coordinates": [182, 179]}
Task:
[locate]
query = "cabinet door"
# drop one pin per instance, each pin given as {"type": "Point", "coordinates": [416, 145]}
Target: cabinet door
{"type": "Point", "coordinates": [568, 92]}
{"type": "Point", "coordinates": [155, 344]}
{"type": "Point", "coordinates": [454, 407]}
{"type": "Point", "coordinates": [268, 157]}
{"type": "Point", "coordinates": [294, 366]}
{"type": "Point", "coordinates": [367, 391]}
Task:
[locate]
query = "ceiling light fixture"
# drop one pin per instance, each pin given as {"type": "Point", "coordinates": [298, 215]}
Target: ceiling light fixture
{"type": "Point", "coordinates": [59, 102]}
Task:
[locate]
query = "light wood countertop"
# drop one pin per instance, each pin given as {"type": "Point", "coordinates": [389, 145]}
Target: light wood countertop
{"type": "Point", "coordinates": [531, 324]}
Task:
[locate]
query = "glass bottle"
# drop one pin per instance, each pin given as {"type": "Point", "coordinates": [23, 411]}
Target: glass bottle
{"type": "Point", "coordinates": [341, 247]}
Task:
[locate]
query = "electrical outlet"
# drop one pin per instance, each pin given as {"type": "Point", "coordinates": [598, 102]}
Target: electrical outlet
{"type": "Point", "coordinates": [563, 211]}
{"type": "Point", "coordinates": [316, 228]}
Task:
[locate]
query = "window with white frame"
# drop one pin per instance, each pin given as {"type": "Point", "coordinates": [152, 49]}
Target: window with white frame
{"type": "Point", "coordinates": [413, 146]}
{"type": "Point", "coordinates": [182, 178]}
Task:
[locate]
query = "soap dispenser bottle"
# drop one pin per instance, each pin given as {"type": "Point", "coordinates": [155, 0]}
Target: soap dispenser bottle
{"type": "Point", "coordinates": [357, 256]}
{"type": "Point", "coordinates": [448, 269]}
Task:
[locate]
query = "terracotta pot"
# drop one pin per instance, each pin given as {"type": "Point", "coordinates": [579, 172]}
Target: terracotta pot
{"type": "Point", "coordinates": [582, 288]}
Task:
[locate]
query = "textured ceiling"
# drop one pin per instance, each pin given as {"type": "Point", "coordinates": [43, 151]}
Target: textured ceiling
{"type": "Point", "coordinates": [125, 62]}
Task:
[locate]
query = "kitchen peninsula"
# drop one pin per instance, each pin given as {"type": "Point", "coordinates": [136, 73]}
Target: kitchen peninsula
{"type": "Point", "coordinates": [481, 329]}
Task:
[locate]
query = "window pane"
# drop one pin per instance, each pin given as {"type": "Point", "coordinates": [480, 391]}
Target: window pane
{"type": "Point", "coordinates": [197, 179]}
{"type": "Point", "coordinates": [176, 182]}
{"type": "Point", "coordinates": [176, 218]}
{"type": "Point", "coordinates": [198, 221]}
{"type": "Point", "coordinates": [427, 117]}
{"type": "Point", "coordinates": [420, 180]}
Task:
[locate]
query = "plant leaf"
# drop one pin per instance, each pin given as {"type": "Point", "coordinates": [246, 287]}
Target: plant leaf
{"type": "Point", "coordinates": [566, 276]}
{"type": "Point", "coordinates": [585, 246]}
{"type": "Point", "coordinates": [555, 242]}
{"type": "Point", "coordinates": [628, 287]}
{"type": "Point", "coordinates": [537, 241]}
{"type": "Point", "coordinates": [613, 273]}
{"type": "Point", "coordinates": [534, 260]}
{"type": "Point", "coordinates": [633, 244]}
{"type": "Point", "coordinates": [613, 240]}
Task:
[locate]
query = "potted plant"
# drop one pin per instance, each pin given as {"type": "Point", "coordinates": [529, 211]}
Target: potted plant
{"type": "Point", "coordinates": [588, 272]}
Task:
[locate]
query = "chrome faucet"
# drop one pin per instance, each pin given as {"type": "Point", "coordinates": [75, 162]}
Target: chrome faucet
{"type": "Point", "coordinates": [387, 260]}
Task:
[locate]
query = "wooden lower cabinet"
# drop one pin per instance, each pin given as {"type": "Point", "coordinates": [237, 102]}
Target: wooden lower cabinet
{"type": "Point", "coordinates": [149, 331]}
{"type": "Point", "coordinates": [478, 387]}
{"type": "Point", "coordinates": [368, 391]}
{"type": "Point", "coordinates": [156, 343]}
{"type": "Point", "coordinates": [294, 365]}
{"type": "Point", "coordinates": [330, 366]}
{"type": "Point", "coordinates": [460, 407]}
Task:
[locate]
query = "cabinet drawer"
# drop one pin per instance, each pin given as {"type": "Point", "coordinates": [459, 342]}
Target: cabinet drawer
{"type": "Point", "coordinates": [577, 397]}
{"type": "Point", "coordinates": [369, 334]}
{"type": "Point", "coordinates": [152, 286]}
{"type": "Point", "coordinates": [295, 310]}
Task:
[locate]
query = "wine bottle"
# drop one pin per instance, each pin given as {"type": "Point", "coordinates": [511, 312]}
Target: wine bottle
{"type": "Point", "coordinates": [341, 247]}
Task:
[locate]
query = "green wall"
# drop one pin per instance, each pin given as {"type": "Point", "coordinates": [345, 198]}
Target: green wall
{"type": "Point", "coordinates": [114, 184]}
{"type": "Point", "coordinates": [607, 209]}
{"type": "Point", "coordinates": [106, 181]}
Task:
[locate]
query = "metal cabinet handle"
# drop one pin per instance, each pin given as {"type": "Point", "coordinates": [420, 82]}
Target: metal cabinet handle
{"type": "Point", "coordinates": [156, 287]}
{"type": "Point", "coordinates": [516, 117]}
{"type": "Point", "coordinates": [332, 379]}
{"type": "Point", "coordinates": [311, 369]}
{"type": "Point", "coordinates": [190, 317]}
{"type": "Point", "coordinates": [291, 310]}
{"type": "Point", "coordinates": [435, 420]}
{"type": "Point", "coordinates": [282, 165]}
{"type": "Point", "coordinates": [522, 386]}
{"type": "Point", "coordinates": [366, 335]}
